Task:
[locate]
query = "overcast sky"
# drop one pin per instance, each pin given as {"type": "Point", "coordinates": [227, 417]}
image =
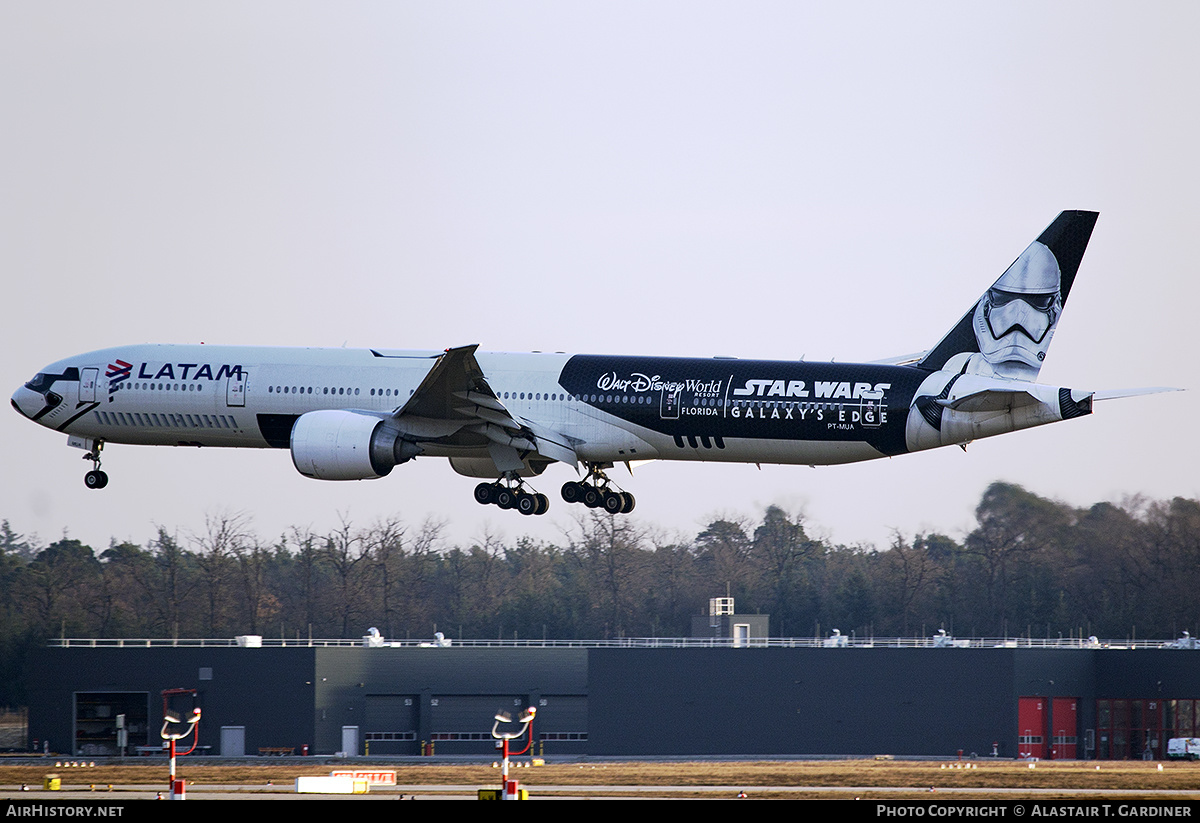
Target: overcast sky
{"type": "Point", "coordinates": [762, 179]}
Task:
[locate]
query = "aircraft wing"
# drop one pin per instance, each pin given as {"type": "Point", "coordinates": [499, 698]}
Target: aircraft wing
{"type": "Point", "coordinates": [455, 405]}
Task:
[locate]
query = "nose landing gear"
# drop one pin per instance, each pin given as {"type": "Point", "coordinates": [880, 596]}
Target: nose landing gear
{"type": "Point", "coordinates": [95, 479]}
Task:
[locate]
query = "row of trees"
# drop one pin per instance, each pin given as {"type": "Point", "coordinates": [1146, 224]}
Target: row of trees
{"type": "Point", "coordinates": [1031, 565]}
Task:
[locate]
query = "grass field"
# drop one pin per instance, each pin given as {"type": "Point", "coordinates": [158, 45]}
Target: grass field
{"type": "Point", "coordinates": [880, 777]}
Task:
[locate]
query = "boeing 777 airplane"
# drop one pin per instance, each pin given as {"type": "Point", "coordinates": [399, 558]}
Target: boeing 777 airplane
{"type": "Point", "coordinates": [356, 414]}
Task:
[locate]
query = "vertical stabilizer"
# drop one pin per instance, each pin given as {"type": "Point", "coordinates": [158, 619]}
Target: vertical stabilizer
{"type": "Point", "coordinates": [1007, 332]}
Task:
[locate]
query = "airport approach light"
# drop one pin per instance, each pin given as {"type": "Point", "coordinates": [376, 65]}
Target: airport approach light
{"type": "Point", "coordinates": [172, 736]}
{"type": "Point", "coordinates": [510, 789]}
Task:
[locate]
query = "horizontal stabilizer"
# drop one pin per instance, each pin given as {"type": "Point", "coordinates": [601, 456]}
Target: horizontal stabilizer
{"type": "Point", "coordinates": [1116, 394]}
{"type": "Point", "coordinates": [991, 400]}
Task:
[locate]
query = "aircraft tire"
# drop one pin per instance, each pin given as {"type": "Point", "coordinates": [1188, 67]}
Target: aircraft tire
{"type": "Point", "coordinates": [527, 503]}
{"type": "Point", "coordinates": [485, 493]}
{"type": "Point", "coordinates": [543, 503]}
{"type": "Point", "coordinates": [630, 502]}
{"type": "Point", "coordinates": [572, 492]}
{"type": "Point", "coordinates": [592, 497]}
{"type": "Point", "coordinates": [95, 479]}
{"type": "Point", "coordinates": [614, 502]}
{"type": "Point", "coordinates": [505, 499]}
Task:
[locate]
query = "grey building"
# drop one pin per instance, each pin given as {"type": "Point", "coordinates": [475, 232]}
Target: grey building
{"type": "Point", "coordinates": [329, 699]}
{"type": "Point", "coordinates": [660, 697]}
{"type": "Point", "coordinates": [723, 623]}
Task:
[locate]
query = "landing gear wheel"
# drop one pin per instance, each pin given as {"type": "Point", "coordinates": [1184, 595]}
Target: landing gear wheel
{"type": "Point", "coordinates": [527, 503]}
{"type": "Point", "coordinates": [95, 479]}
{"type": "Point", "coordinates": [614, 502]}
{"type": "Point", "coordinates": [572, 492]}
{"type": "Point", "coordinates": [596, 491]}
{"type": "Point", "coordinates": [511, 493]}
{"type": "Point", "coordinates": [485, 493]}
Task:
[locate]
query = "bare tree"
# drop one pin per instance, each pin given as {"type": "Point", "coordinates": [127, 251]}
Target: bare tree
{"type": "Point", "coordinates": [908, 571]}
{"type": "Point", "coordinates": [252, 557]}
{"type": "Point", "coordinates": [347, 553]}
{"type": "Point", "coordinates": [216, 554]}
{"type": "Point", "coordinates": [610, 552]}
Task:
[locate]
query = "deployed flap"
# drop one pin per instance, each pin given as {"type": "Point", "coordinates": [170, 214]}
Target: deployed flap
{"type": "Point", "coordinates": [552, 444]}
{"type": "Point", "coordinates": [454, 402]}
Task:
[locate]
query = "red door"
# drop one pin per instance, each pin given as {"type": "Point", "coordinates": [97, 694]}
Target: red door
{"type": "Point", "coordinates": [1031, 727]}
{"type": "Point", "coordinates": [1064, 719]}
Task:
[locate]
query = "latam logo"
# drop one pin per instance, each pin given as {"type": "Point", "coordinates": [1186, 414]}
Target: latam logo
{"type": "Point", "coordinates": [117, 374]}
{"type": "Point", "coordinates": [183, 371]}
{"type": "Point", "coordinates": [120, 371]}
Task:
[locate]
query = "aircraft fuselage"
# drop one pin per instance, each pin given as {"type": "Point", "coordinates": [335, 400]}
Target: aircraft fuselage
{"type": "Point", "coordinates": [348, 414]}
{"type": "Point", "coordinates": [618, 408]}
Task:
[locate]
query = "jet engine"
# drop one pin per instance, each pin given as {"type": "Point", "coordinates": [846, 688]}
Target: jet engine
{"type": "Point", "coordinates": [346, 445]}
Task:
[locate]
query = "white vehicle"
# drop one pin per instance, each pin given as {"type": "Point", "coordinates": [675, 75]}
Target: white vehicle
{"type": "Point", "coordinates": [1183, 748]}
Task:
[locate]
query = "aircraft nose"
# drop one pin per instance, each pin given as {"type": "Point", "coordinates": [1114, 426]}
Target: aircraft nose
{"type": "Point", "coordinates": [27, 401]}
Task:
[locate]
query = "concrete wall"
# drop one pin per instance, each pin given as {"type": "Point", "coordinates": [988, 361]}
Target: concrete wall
{"type": "Point", "coordinates": [615, 702]}
{"type": "Point", "coordinates": [455, 689]}
{"type": "Point", "coordinates": [265, 690]}
{"type": "Point", "coordinates": [798, 701]}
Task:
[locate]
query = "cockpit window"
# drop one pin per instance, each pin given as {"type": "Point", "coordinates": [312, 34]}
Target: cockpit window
{"type": "Point", "coordinates": [44, 380]}
{"type": "Point", "coordinates": [39, 383]}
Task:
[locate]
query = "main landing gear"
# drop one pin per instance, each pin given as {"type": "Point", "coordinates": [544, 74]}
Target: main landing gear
{"type": "Point", "coordinates": [512, 496]}
{"type": "Point", "coordinates": [95, 479]}
{"type": "Point", "coordinates": [597, 492]}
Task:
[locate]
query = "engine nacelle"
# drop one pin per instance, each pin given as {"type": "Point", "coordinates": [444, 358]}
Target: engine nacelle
{"type": "Point", "coordinates": [345, 445]}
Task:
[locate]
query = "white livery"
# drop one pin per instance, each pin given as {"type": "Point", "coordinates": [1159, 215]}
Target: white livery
{"type": "Point", "coordinates": [357, 414]}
